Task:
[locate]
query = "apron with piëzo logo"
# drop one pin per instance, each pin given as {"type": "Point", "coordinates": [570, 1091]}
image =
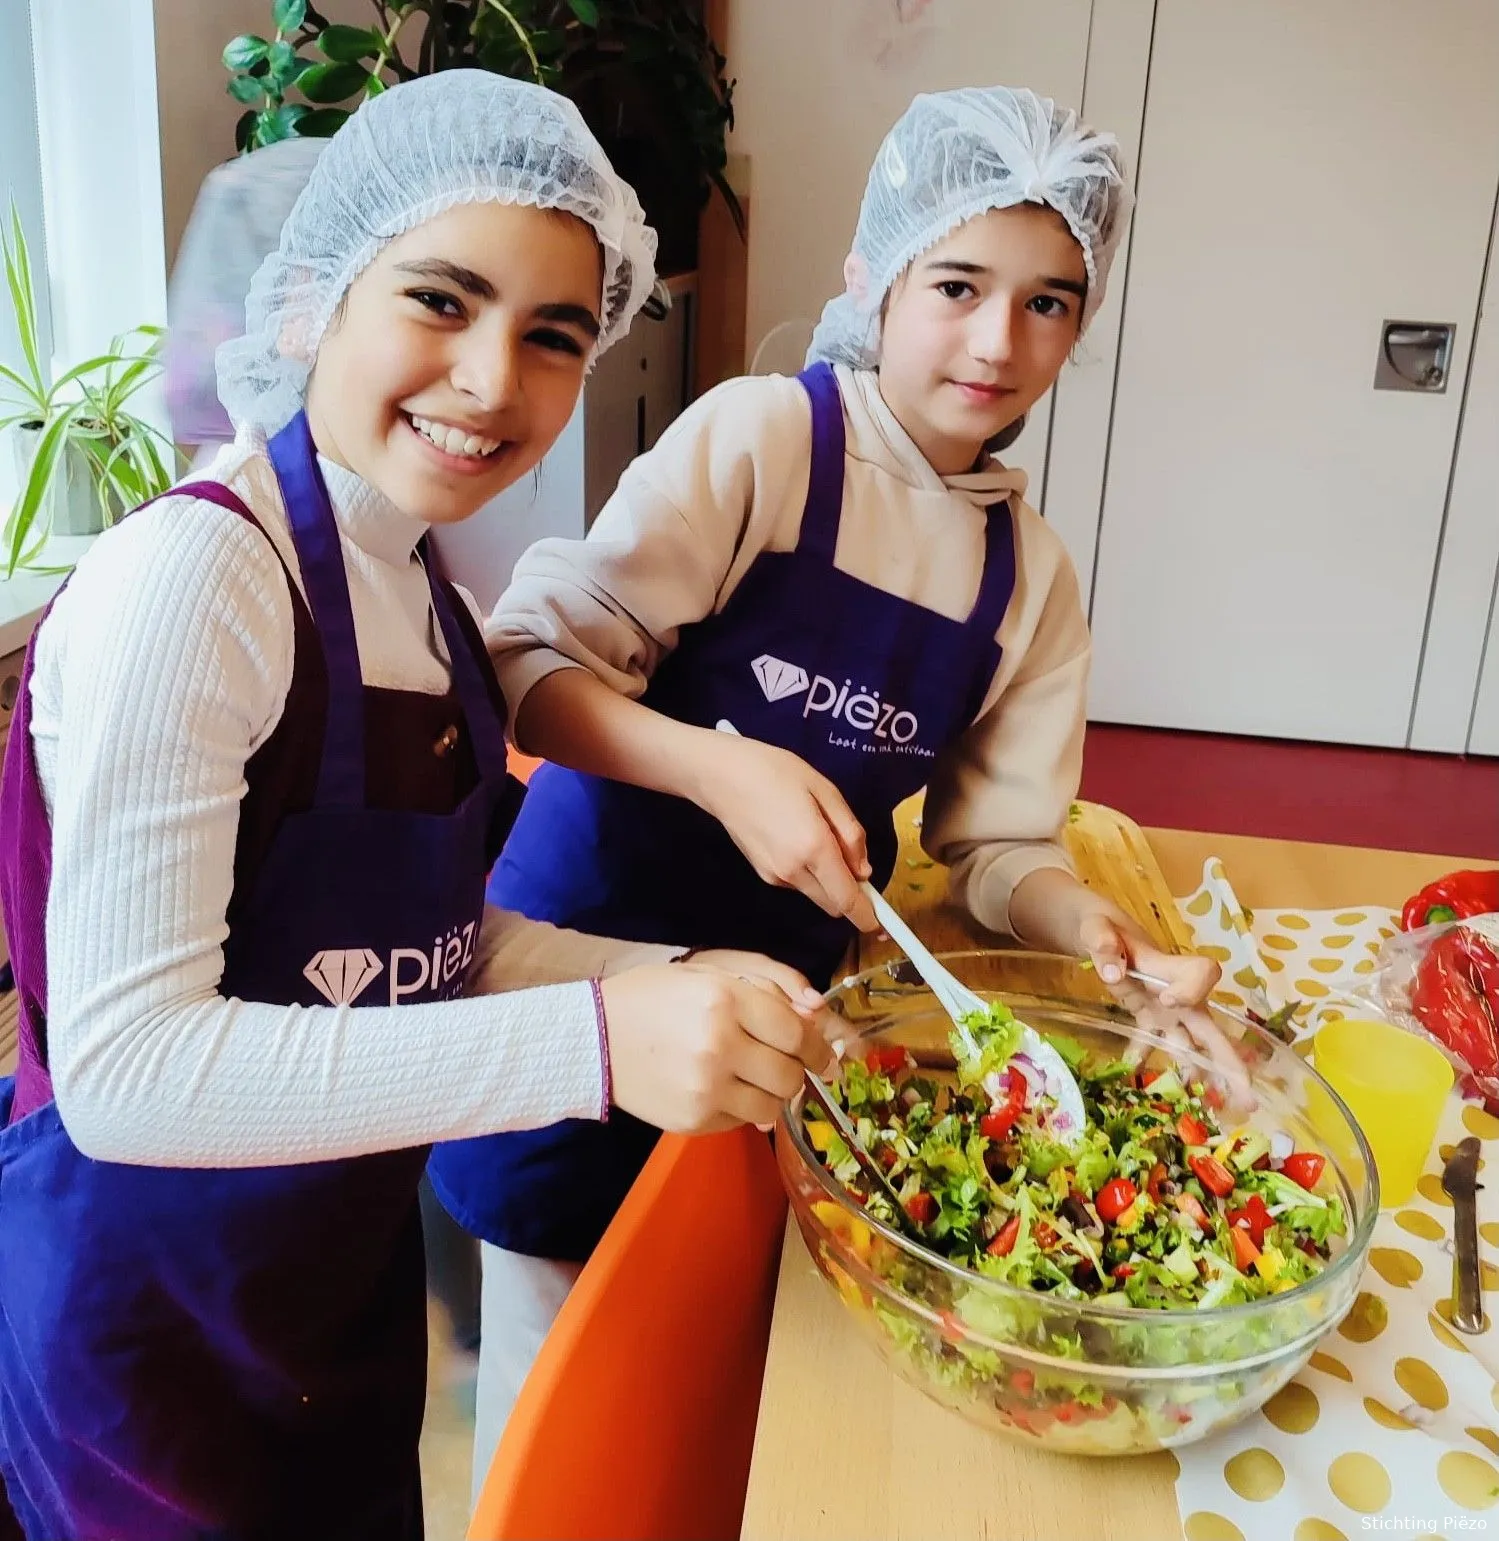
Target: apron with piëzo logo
{"type": "Point", "coordinates": [238, 1354]}
{"type": "Point", "coordinates": [866, 687]}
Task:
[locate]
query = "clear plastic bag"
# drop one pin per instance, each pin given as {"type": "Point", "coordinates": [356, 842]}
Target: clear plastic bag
{"type": "Point", "coordinates": [1443, 983]}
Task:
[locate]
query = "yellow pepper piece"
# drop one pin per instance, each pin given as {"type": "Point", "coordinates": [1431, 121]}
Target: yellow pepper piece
{"type": "Point", "coordinates": [1220, 1147]}
{"type": "Point", "coordinates": [1269, 1263]}
{"type": "Point", "coordinates": [820, 1135]}
{"type": "Point", "coordinates": [832, 1215]}
{"type": "Point", "coordinates": [1282, 1285]}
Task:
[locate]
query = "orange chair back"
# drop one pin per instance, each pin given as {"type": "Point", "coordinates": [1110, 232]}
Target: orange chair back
{"type": "Point", "coordinates": [637, 1420]}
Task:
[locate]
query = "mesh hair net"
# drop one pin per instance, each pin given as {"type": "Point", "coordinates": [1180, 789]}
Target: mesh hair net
{"type": "Point", "coordinates": [951, 157]}
{"type": "Point", "coordinates": [406, 156]}
{"type": "Point", "coordinates": [235, 224]}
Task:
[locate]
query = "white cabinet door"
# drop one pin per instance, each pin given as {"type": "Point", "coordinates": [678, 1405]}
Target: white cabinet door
{"type": "Point", "coordinates": [1271, 522]}
{"type": "Point", "coordinates": [1484, 739]}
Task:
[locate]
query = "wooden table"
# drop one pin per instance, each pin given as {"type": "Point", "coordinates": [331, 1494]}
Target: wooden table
{"type": "Point", "coordinates": [844, 1451]}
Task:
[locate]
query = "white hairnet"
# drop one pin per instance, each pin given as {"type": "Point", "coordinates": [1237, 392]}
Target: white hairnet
{"type": "Point", "coordinates": [407, 155]}
{"type": "Point", "coordinates": [235, 224]}
{"type": "Point", "coordinates": [953, 156]}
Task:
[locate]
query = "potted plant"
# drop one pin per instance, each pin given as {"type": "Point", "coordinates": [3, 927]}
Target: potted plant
{"type": "Point", "coordinates": [82, 458]}
{"type": "Point", "coordinates": [645, 74]}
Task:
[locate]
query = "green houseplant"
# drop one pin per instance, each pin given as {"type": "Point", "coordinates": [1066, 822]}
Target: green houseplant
{"type": "Point", "coordinates": [645, 74]}
{"type": "Point", "coordinates": [83, 459]}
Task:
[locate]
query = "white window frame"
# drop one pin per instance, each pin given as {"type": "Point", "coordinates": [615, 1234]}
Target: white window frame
{"type": "Point", "coordinates": [80, 144]}
{"type": "Point", "coordinates": [21, 181]}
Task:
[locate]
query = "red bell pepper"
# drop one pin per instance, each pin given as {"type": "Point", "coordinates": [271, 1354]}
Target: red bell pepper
{"type": "Point", "coordinates": [885, 1059]}
{"type": "Point", "coordinates": [1454, 897]}
{"type": "Point", "coordinates": [1213, 1175]}
{"type": "Point", "coordinates": [1004, 1243]}
{"type": "Point", "coordinates": [1254, 1218]}
{"type": "Point", "coordinates": [1455, 994]}
{"type": "Point", "coordinates": [922, 1207]}
{"type": "Point", "coordinates": [997, 1122]}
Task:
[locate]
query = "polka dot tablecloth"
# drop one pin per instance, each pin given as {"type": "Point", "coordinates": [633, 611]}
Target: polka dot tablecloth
{"type": "Point", "coordinates": [1393, 1427]}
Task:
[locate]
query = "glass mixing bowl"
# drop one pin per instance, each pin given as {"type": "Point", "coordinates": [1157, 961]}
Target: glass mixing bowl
{"type": "Point", "coordinates": [1071, 1375]}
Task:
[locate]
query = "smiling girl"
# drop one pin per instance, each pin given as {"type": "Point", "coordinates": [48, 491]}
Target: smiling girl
{"type": "Point", "coordinates": [253, 786]}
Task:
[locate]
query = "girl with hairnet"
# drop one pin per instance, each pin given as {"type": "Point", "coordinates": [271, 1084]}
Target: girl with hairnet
{"type": "Point", "coordinates": [234, 226]}
{"type": "Point", "coordinates": [254, 784]}
{"type": "Point", "coordinates": [813, 597]}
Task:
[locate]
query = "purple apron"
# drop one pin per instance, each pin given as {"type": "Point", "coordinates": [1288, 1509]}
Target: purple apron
{"type": "Point", "coordinates": [866, 687]}
{"type": "Point", "coordinates": [242, 1353]}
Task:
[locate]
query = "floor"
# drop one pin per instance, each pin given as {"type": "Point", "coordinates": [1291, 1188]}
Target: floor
{"type": "Point", "coordinates": [1393, 799]}
{"type": "Point", "coordinates": [447, 1435]}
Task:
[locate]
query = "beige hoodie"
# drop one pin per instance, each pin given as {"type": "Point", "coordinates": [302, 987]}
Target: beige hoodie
{"type": "Point", "coordinates": [727, 481]}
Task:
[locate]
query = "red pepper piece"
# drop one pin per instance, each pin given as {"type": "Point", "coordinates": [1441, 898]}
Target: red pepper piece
{"type": "Point", "coordinates": [1254, 1218]}
{"type": "Point", "coordinates": [922, 1207]}
{"type": "Point", "coordinates": [1454, 897]}
{"type": "Point", "coordinates": [885, 1060]}
{"type": "Point", "coordinates": [1213, 1175]}
{"type": "Point", "coordinates": [1004, 1243]}
{"type": "Point", "coordinates": [998, 1121]}
{"type": "Point", "coordinates": [1192, 1130]}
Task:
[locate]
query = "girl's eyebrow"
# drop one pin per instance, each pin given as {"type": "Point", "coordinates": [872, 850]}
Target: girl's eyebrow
{"type": "Point", "coordinates": [480, 288]}
{"type": "Point", "coordinates": [579, 316]}
{"type": "Point", "coordinates": [461, 277]}
{"type": "Point", "coordinates": [971, 269]}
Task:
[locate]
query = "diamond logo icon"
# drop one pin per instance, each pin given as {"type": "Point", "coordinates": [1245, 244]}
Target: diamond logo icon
{"type": "Point", "coordinates": [341, 974]}
{"type": "Point", "coordinates": [779, 679]}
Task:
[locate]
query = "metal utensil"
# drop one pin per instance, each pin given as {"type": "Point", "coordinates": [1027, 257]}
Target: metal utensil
{"type": "Point", "coordinates": [867, 1164]}
{"type": "Point", "coordinates": [1460, 1184]}
{"type": "Point", "coordinates": [1158, 984]}
{"type": "Point", "coordinates": [958, 1001]}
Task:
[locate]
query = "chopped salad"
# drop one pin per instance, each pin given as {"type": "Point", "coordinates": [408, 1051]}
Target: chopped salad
{"type": "Point", "coordinates": [1156, 1206]}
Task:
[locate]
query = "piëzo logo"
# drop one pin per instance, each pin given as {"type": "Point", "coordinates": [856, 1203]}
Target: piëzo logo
{"type": "Point", "coordinates": [861, 709]}
{"type": "Point", "coordinates": [342, 974]}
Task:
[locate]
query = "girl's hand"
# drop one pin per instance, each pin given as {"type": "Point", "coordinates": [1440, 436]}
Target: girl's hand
{"type": "Point", "coordinates": [792, 824]}
{"type": "Point", "coordinates": [695, 1050]}
{"type": "Point", "coordinates": [1176, 1014]}
{"type": "Point", "coordinates": [1114, 946]}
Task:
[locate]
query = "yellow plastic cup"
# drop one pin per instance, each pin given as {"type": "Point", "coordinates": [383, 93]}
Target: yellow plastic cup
{"type": "Point", "coordinates": [1395, 1084]}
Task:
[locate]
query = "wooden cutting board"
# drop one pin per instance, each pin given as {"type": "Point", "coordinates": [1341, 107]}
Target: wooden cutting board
{"type": "Point", "coordinates": [1108, 852]}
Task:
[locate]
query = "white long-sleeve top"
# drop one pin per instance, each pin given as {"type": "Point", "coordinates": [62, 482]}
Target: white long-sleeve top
{"type": "Point", "coordinates": [163, 666]}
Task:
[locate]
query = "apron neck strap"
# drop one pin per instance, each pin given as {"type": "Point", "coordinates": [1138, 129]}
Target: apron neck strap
{"type": "Point", "coordinates": [486, 731]}
{"type": "Point", "coordinates": [315, 533]}
{"type": "Point", "coordinates": [998, 582]}
{"type": "Point", "coordinates": [824, 509]}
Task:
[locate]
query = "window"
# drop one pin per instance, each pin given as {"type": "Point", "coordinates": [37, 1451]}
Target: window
{"type": "Point", "coordinates": [21, 181]}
